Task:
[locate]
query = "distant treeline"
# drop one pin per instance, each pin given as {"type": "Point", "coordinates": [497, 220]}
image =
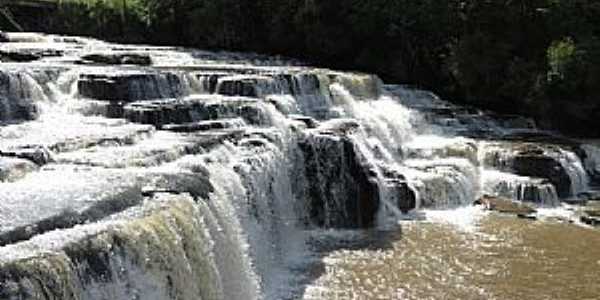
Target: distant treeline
{"type": "Point", "coordinates": [536, 57]}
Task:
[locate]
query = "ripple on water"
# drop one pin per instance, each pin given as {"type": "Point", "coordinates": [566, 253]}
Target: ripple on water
{"type": "Point", "coordinates": [498, 257]}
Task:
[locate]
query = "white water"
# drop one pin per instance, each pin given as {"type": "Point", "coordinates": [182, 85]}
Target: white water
{"type": "Point", "coordinates": [256, 227]}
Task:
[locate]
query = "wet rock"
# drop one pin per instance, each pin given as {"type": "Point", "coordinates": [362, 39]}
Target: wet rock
{"type": "Point", "coordinates": [161, 148]}
{"type": "Point", "coordinates": [158, 112]}
{"type": "Point", "coordinates": [401, 195]}
{"type": "Point", "coordinates": [536, 164]}
{"type": "Point", "coordinates": [129, 86]}
{"type": "Point", "coordinates": [195, 109]}
{"type": "Point", "coordinates": [120, 256]}
{"type": "Point", "coordinates": [310, 122]}
{"type": "Point", "coordinates": [205, 125]}
{"type": "Point", "coordinates": [117, 58]}
{"type": "Point", "coordinates": [18, 56]}
{"type": "Point", "coordinates": [534, 160]}
{"type": "Point", "coordinates": [341, 194]}
{"type": "Point", "coordinates": [18, 93]}
{"type": "Point", "coordinates": [577, 202]}
{"type": "Point", "coordinates": [63, 196]}
{"type": "Point", "coordinates": [339, 127]}
{"type": "Point", "coordinates": [209, 80]}
{"type": "Point", "coordinates": [255, 86]}
{"type": "Point", "coordinates": [521, 188]}
{"type": "Point", "coordinates": [68, 134]}
{"type": "Point", "coordinates": [504, 205]}
{"type": "Point", "coordinates": [590, 220]}
{"type": "Point", "coordinates": [38, 155]}
{"type": "Point", "coordinates": [362, 86]}
{"type": "Point", "coordinates": [515, 122]}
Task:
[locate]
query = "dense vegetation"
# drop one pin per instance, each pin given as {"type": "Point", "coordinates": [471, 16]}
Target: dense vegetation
{"type": "Point", "coordinates": [536, 57]}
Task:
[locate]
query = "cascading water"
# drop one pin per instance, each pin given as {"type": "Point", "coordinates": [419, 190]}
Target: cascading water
{"type": "Point", "coordinates": [218, 182]}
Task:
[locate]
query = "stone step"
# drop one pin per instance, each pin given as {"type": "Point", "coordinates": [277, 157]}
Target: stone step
{"type": "Point", "coordinates": [62, 196]}
{"type": "Point", "coordinates": [154, 250]}
{"type": "Point", "coordinates": [128, 85]}
{"type": "Point", "coordinates": [64, 133]}
{"type": "Point", "coordinates": [162, 147]}
{"type": "Point", "coordinates": [194, 109]}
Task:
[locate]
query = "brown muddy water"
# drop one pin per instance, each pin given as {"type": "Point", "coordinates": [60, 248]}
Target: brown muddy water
{"type": "Point", "coordinates": [495, 257]}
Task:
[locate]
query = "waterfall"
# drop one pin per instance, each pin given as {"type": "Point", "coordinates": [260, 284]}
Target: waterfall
{"type": "Point", "coordinates": [19, 93]}
{"type": "Point", "coordinates": [576, 171]}
{"type": "Point", "coordinates": [192, 178]}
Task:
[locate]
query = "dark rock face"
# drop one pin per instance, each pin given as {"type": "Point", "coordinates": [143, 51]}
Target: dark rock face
{"type": "Point", "coordinates": [17, 93]}
{"type": "Point", "coordinates": [401, 195]}
{"type": "Point", "coordinates": [27, 55]}
{"type": "Point", "coordinates": [117, 59]}
{"type": "Point", "coordinates": [35, 154]}
{"type": "Point", "coordinates": [249, 86]}
{"type": "Point", "coordinates": [130, 86]}
{"type": "Point", "coordinates": [209, 80]}
{"type": "Point", "coordinates": [535, 164]}
{"type": "Point", "coordinates": [341, 192]}
{"type": "Point", "coordinates": [192, 110]}
{"type": "Point", "coordinates": [533, 160]}
{"type": "Point", "coordinates": [158, 113]}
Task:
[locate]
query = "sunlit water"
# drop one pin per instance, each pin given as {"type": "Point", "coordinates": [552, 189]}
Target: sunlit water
{"type": "Point", "coordinates": [498, 257]}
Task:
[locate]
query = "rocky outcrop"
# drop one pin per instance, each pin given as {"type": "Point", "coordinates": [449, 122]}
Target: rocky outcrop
{"type": "Point", "coordinates": [342, 191]}
{"type": "Point", "coordinates": [129, 86]}
{"type": "Point", "coordinates": [194, 109]}
{"type": "Point", "coordinates": [536, 160]}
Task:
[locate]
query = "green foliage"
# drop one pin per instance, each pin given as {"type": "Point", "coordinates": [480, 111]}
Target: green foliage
{"type": "Point", "coordinates": [517, 56]}
{"type": "Point", "coordinates": [561, 55]}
